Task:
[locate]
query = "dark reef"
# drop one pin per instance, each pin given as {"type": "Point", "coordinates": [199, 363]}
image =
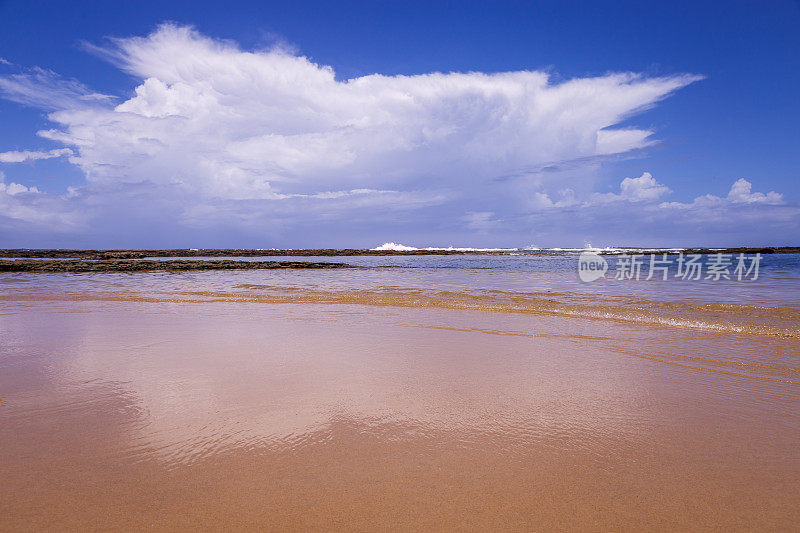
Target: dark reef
{"type": "Point", "coordinates": [141, 254]}
{"type": "Point", "coordinates": [123, 265]}
{"type": "Point", "coordinates": [742, 250]}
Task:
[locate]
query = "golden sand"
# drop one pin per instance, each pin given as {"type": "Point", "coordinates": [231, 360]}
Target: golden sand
{"type": "Point", "coordinates": [244, 414]}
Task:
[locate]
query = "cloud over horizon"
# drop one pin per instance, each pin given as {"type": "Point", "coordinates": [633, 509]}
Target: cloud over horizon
{"type": "Point", "coordinates": [272, 145]}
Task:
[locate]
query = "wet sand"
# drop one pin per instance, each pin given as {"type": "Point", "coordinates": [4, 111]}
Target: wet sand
{"type": "Point", "coordinates": [174, 415]}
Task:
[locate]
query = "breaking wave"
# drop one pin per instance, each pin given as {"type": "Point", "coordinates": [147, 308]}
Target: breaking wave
{"type": "Point", "coordinates": [397, 247]}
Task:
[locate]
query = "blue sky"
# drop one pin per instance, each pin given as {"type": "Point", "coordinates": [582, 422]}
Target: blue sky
{"type": "Point", "coordinates": [299, 124]}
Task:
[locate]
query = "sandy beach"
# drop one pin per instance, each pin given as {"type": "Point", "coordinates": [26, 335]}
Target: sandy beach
{"type": "Point", "coordinates": [132, 402]}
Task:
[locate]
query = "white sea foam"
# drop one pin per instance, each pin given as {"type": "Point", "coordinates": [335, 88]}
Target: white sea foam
{"type": "Point", "coordinates": [615, 250]}
{"type": "Point", "coordinates": [396, 247]}
{"type": "Point", "coordinates": [393, 246]}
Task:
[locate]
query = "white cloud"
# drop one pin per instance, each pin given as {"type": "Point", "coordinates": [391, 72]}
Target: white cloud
{"type": "Point", "coordinates": [740, 193]}
{"type": "Point", "coordinates": [12, 189]}
{"type": "Point", "coordinates": [25, 155]}
{"type": "Point", "coordinates": [643, 188]}
{"type": "Point", "coordinates": [617, 141]}
{"type": "Point", "coordinates": [227, 123]}
{"type": "Point", "coordinates": [541, 200]}
{"type": "Point", "coordinates": [20, 204]}
{"type": "Point", "coordinates": [216, 136]}
{"type": "Point", "coordinates": [46, 90]}
{"type": "Point", "coordinates": [637, 216]}
{"type": "Point", "coordinates": [480, 221]}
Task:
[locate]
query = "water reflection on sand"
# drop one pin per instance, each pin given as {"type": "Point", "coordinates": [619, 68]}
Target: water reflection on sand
{"type": "Point", "coordinates": [127, 413]}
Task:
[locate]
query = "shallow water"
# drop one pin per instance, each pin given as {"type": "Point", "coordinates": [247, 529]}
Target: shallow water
{"type": "Point", "coordinates": [447, 393]}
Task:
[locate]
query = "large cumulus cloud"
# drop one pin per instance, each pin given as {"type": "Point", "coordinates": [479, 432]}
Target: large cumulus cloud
{"type": "Point", "coordinates": [212, 135]}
